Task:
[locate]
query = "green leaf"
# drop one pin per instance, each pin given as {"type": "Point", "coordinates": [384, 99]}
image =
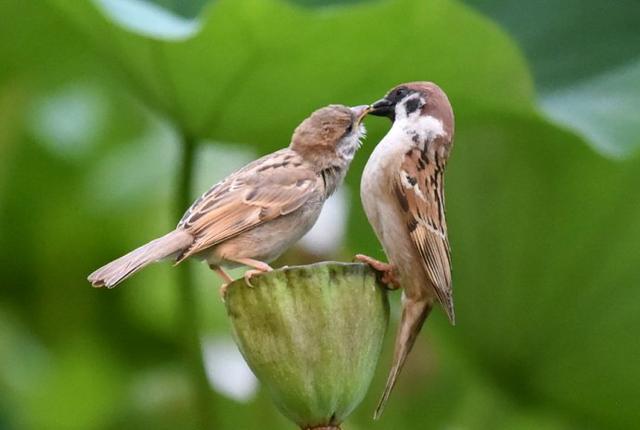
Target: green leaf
{"type": "Point", "coordinates": [544, 231]}
{"type": "Point", "coordinates": [242, 65]}
{"type": "Point", "coordinates": [584, 56]}
{"type": "Point", "coordinates": [147, 19]}
{"type": "Point", "coordinates": [544, 241]}
{"type": "Point", "coordinates": [185, 8]}
{"type": "Point", "coordinates": [603, 109]}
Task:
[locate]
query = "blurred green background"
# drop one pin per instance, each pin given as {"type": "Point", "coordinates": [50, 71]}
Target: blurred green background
{"type": "Point", "coordinates": [114, 114]}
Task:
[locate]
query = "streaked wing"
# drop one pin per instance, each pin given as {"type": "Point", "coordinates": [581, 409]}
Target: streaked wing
{"type": "Point", "coordinates": [272, 186]}
{"type": "Point", "coordinates": [419, 188]}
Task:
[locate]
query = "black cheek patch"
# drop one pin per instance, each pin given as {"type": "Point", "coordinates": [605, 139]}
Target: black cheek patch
{"type": "Point", "coordinates": [412, 105]}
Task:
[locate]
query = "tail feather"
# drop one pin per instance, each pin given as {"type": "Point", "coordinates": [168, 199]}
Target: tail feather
{"type": "Point", "coordinates": [118, 270]}
{"type": "Point", "coordinates": [414, 313]}
{"type": "Point", "coordinates": [446, 301]}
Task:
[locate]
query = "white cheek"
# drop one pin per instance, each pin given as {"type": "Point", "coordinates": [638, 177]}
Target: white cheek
{"type": "Point", "coordinates": [419, 129]}
{"type": "Point", "coordinates": [347, 148]}
{"type": "Point", "coordinates": [429, 127]}
{"type": "Point", "coordinates": [426, 127]}
{"type": "Point", "coordinates": [362, 131]}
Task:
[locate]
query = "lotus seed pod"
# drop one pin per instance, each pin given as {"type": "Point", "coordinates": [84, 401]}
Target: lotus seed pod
{"type": "Point", "coordinates": [312, 335]}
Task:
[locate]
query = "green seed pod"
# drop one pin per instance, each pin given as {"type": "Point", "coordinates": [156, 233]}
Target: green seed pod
{"type": "Point", "coordinates": [312, 335]}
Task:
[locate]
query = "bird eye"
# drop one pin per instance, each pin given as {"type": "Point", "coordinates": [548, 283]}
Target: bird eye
{"type": "Point", "coordinates": [350, 128]}
{"type": "Point", "coordinates": [400, 93]}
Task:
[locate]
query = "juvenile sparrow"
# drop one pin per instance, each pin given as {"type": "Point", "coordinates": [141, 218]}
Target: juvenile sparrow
{"type": "Point", "coordinates": [402, 191]}
{"type": "Point", "coordinates": [256, 213]}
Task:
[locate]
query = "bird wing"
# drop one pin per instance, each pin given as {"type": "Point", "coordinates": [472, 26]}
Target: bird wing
{"type": "Point", "coordinates": [419, 188]}
{"type": "Point", "coordinates": [268, 188]}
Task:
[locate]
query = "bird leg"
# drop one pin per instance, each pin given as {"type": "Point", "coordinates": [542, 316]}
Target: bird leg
{"type": "Point", "coordinates": [388, 271]}
{"type": "Point", "coordinates": [257, 267]}
{"type": "Point", "coordinates": [225, 277]}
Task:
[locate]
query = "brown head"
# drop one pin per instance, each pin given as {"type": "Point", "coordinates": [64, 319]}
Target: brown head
{"type": "Point", "coordinates": [425, 99]}
{"type": "Point", "coordinates": [330, 136]}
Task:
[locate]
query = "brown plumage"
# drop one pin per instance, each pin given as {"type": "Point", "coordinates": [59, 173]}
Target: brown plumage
{"type": "Point", "coordinates": [269, 188]}
{"type": "Point", "coordinates": [425, 220]}
{"type": "Point", "coordinates": [402, 192]}
{"type": "Point", "coordinates": [256, 213]}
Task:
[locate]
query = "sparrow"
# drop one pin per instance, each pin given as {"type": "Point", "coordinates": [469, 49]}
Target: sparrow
{"type": "Point", "coordinates": [256, 213]}
{"type": "Point", "coordinates": [402, 192]}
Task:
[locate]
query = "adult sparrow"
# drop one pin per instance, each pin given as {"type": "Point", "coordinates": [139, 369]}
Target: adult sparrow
{"type": "Point", "coordinates": [402, 191]}
{"type": "Point", "coordinates": [256, 213]}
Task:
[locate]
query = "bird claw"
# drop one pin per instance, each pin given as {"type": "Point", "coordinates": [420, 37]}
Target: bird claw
{"type": "Point", "coordinates": [223, 290]}
{"type": "Point", "coordinates": [251, 273]}
{"type": "Point", "coordinates": [390, 280]}
{"type": "Point", "coordinates": [248, 275]}
{"type": "Point", "coordinates": [386, 270]}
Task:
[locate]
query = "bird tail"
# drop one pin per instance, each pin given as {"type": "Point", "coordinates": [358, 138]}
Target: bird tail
{"type": "Point", "coordinates": [414, 313]}
{"type": "Point", "coordinates": [118, 270]}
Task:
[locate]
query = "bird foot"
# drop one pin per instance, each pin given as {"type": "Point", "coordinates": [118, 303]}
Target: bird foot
{"type": "Point", "coordinates": [225, 277]}
{"type": "Point", "coordinates": [386, 270]}
{"type": "Point", "coordinates": [223, 290]}
{"type": "Point", "coordinates": [252, 272]}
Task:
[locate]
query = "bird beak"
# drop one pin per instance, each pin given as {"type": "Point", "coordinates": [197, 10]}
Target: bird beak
{"type": "Point", "coordinates": [360, 111]}
{"type": "Point", "coordinates": [383, 107]}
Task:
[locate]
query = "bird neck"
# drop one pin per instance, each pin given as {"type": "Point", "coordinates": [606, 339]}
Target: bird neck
{"type": "Point", "coordinates": [328, 164]}
{"type": "Point", "coordinates": [333, 175]}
